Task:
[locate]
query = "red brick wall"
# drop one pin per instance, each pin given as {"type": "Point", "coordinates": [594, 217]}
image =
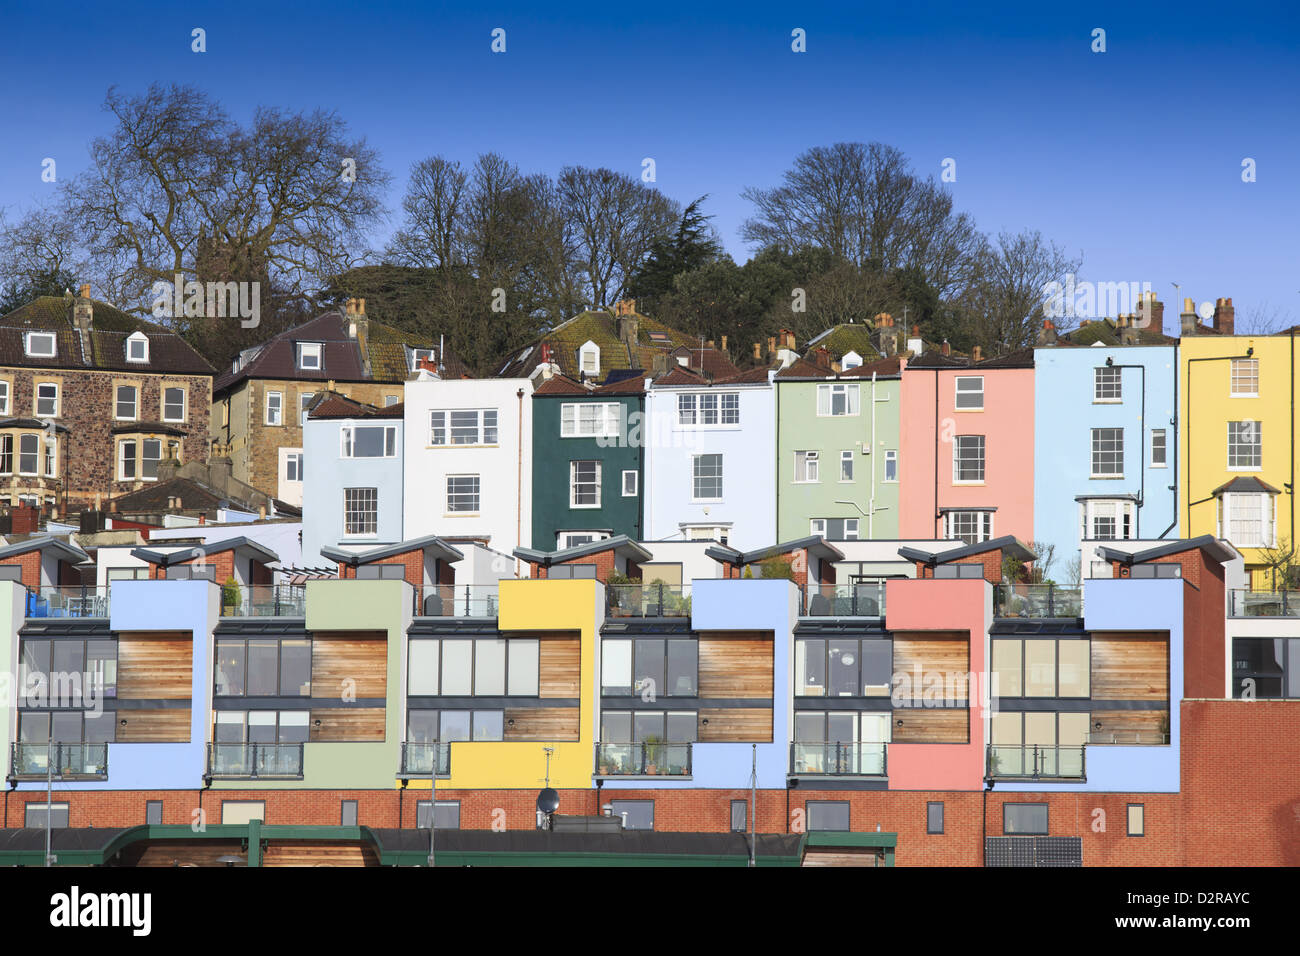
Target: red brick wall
{"type": "Point", "coordinates": [31, 565]}
{"type": "Point", "coordinates": [992, 561]}
{"type": "Point", "coordinates": [412, 562]}
{"type": "Point", "coordinates": [223, 561]}
{"type": "Point", "coordinates": [604, 562]}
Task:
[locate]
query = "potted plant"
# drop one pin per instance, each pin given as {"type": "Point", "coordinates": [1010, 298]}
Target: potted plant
{"type": "Point", "coordinates": [620, 595]}
{"type": "Point", "coordinates": [654, 747]}
{"type": "Point", "coordinates": [230, 597]}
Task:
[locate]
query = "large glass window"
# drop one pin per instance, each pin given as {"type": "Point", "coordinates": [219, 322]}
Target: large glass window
{"type": "Point", "coordinates": [969, 526]}
{"type": "Point", "coordinates": [1245, 445]}
{"type": "Point", "coordinates": [1248, 520]}
{"type": "Point", "coordinates": [368, 441]}
{"type": "Point", "coordinates": [837, 399]}
{"type": "Point", "coordinates": [589, 420]}
{"type": "Point", "coordinates": [1042, 667]}
{"type": "Point", "coordinates": [29, 454]}
{"type": "Point", "coordinates": [463, 426]}
{"type": "Point", "coordinates": [1108, 453]}
{"type": "Point", "coordinates": [1107, 384]}
{"type": "Point", "coordinates": [463, 493]}
{"type": "Point", "coordinates": [648, 726]}
{"type": "Point", "coordinates": [1024, 819]}
{"type": "Point", "coordinates": [1265, 668]}
{"type": "Point", "coordinates": [650, 666]}
{"type": "Point", "coordinates": [707, 478]}
{"type": "Point", "coordinates": [360, 510]}
{"type": "Point", "coordinates": [174, 404]}
{"type": "Point", "coordinates": [843, 667]}
{"type": "Point", "coordinates": [968, 458]}
{"type": "Point", "coordinates": [830, 815]}
{"type": "Point", "coordinates": [486, 667]}
{"type": "Point", "coordinates": [584, 484]}
{"type": "Point", "coordinates": [263, 667]}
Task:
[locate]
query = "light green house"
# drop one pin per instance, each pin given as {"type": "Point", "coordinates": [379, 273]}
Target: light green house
{"type": "Point", "coordinates": [837, 445]}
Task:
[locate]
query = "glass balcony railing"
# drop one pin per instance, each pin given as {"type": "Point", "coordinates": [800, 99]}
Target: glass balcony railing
{"type": "Point", "coordinates": [432, 759]}
{"type": "Point", "coordinates": [1246, 603]}
{"type": "Point", "coordinates": [63, 760]}
{"type": "Point", "coordinates": [648, 600]}
{"type": "Point", "coordinates": [844, 600]}
{"type": "Point", "coordinates": [838, 759]}
{"type": "Point", "coordinates": [1131, 738]}
{"type": "Point", "coordinates": [646, 759]}
{"type": "Point", "coordinates": [68, 601]}
{"type": "Point", "coordinates": [1037, 601]}
{"type": "Point", "coordinates": [457, 600]}
{"type": "Point", "coordinates": [254, 761]}
{"type": "Point", "coordinates": [264, 600]}
{"type": "Point", "coordinates": [1034, 761]}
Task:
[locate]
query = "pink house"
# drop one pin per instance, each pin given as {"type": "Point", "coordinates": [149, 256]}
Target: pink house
{"type": "Point", "coordinates": [967, 447]}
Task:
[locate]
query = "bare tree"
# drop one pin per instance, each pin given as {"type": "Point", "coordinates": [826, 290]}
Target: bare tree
{"type": "Point", "coordinates": [1263, 318]}
{"type": "Point", "coordinates": [430, 236]}
{"type": "Point", "coordinates": [1003, 305]}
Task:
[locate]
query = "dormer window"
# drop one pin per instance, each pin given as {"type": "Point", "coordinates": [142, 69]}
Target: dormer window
{"type": "Point", "coordinates": [309, 356]}
{"type": "Point", "coordinates": [589, 358]}
{"type": "Point", "coordinates": [420, 355]}
{"type": "Point", "coordinates": [40, 344]}
{"type": "Point", "coordinates": [850, 360]}
{"type": "Point", "coordinates": [137, 347]}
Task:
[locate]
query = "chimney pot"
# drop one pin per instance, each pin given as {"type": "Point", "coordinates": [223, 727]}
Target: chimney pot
{"type": "Point", "coordinates": [361, 306]}
{"type": "Point", "coordinates": [724, 343]}
{"type": "Point", "coordinates": [85, 290]}
{"type": "Point", "coordinates": [947, 349]}
{"type": "Point", "coordinates": [758, 350]}
{"type": "Point", "coordinates": [976, 353]}
{"type": "Point", "coordinates": [1224, 316]}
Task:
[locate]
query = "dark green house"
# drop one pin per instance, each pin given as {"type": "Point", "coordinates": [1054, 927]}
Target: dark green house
{"type": "Point", "coordinates": [588, 461]}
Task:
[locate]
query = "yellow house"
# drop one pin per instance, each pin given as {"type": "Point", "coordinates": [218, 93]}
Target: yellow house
{"type": "Point", "coordinates": [1238, 435]}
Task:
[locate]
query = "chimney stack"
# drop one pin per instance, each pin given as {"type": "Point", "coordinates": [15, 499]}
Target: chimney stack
{"type": "Point", "coordinates": [976, 354]}
{"type": "Point", "coordinates": [1224, 316]}
{"type": "Point", "coordinates": [83, 311]}
{"type": "Point", "coordinates": [787, 339]}
{"type": "Point", "coordinates": [724, 343]}
{"type": "Point", "coordinates": [946, 348]}
{"type": "Point", "coordinates": [1128, 333]}
{"type": "Point", "coordinates": [1188, 318]}
{"type": "Point", "coordinates": [1151, 313]}
{"type": "Point", "coordinates": [771, 344]}
{"type": "Point", "coordinates": [1047, 334]}
{"type": "Point", "coordinates": [758, 352]}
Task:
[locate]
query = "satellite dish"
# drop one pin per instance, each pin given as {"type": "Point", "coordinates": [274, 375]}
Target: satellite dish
{"type": "Point", "coordinates": [548, 801]}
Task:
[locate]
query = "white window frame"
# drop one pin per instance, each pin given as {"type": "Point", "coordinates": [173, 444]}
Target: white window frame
{"type": "Point", "coordinates": [292, 462]}
{"type": "Point", "coordinates": [117, 403]}
{"type": "Point", "coordinates": [347, 442]}
{"type": "Point", "coordinates": [807, 463]}
{"type": "Point", "coordinates": [574, 483]}
{"type": "Point", "coordinates": [1093, 451]}
{"type": "Point", "coordinates": [185, 402]}
{"type": "Point", "coordinates": [1107, 385]}
{"type": "Point", "coordinates": [314, 350]}
{"type": "Point", "coordinates": [602, 422]}
{"type": "Point", "coordinates": [826, 399]}
{"type": "Point", "coordinates": [123, 459]}
{"type": "Point", "coordinates": [57, 399]}
{"type": "Point", "coordinates": [347, 510]}
{"type": "Point", "coordinates": [51, 447]}
{"type": "Point", "coordinates": [481, 427]}
{"type": "Point", "coordinates": [983, 519]}
{"type": "Point", "coordinates": [1246, 377]}
{"type": "Point", "coordinates": [137, 338]}
{"type": "Point", "coordinates": [957, 442]}
{"type": "Point", "coordinates": [1164, 448]}
{"type": "Point", "coordinates": [35, 470]}
{"type": "Point", "coordinates": [695, 476]}
{"type": "Point", "coordinates": [1228, 504]}
{"type": "Point", "coordinates": [4, 396]}
{"type": "Point", "coordinates": [144, 445]}
{"type": "Point", "coordinates": [564, 539]}
{"type": "Point", "coordinates": [304, 401]}
{"type": "Point", "coordinates": [274, 414]}
{"type": "Point", "coordinates": [851, 529]}
{"type": "Point", "coordinates": [417, 354]}
{"type": "Point", "coordinates": [635, 488]}
{"type": "Point", "coordinates": [708, 410]}
{"type": "Point", "coordinates": [589, 349]}
{"type": "Point", "coordinates": [477, 494]}
{"type": "Point", "coordinates": [846, 459]}
{"type": "Point", "coordinates": [33, 337]}
{"type": "Point", "coordinates": [817, 526]}
{"type": "Point", "coordinates": [891, 455]}
{"type": "Point", "coordinates": [958, 392]}
{"type": "Point", "coordinates": [1123, 513]}
{"type": "Point", "coordinates": [1238, 448]}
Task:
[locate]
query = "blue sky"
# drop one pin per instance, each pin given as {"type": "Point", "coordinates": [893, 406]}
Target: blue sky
{"type": "Point", "coordinates": [1130, 158]}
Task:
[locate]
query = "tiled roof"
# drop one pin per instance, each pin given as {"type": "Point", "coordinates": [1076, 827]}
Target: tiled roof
{"type": "Point", "coordinates": [334, 405]}
{"type": "Point", "coordinates": [103, 348]}
{"type": "Point", "coordinates": [680, 376]}
{"type": "Point", "coordinates": [560, 385]}
{"type": "Point", "coordinates": [1105, 332]}
{"type": "Point", "coordinates": [803, 369]}
{"type": "Point", "coordinates": [881, 368]}
{"type": "Point", "coordinates": [839, 340]}
{"type": "Point", "coordinates": [626, 386]}
{"type": "Point", "coordinates": [933, 358]}
{"type": "Point", "coordinates": [1020, 358]}
{"type": "Point", "coordinates": [601, 328]}
{"type": "Point", "coordinates": [713, 362]}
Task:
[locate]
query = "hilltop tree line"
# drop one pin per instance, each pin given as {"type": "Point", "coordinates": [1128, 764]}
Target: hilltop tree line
{"type": "Point", "coordinates": [491, 256]}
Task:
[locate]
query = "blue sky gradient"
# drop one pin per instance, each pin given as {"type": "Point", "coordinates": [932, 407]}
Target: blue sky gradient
{"type": "Point", "coordinates": [1130, 158]}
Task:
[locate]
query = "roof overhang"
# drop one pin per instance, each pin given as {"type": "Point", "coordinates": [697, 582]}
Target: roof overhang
{"type": "Point", "coordinates": [440, 548]}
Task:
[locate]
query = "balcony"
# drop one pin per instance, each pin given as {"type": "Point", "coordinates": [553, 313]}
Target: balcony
{"type": "Point", "coordinates": [450, 600]}
{"type": "Point", "coordinates": [425, 760]}
{"type": "Point", "coordinates": [648, 600]}
{"type": "Point", "coordinates": [1245, 603]}
{"type": "Point", "coordinates": [264, 600]}
{"type": "Point", "coordinates": [255, 761]}
{"type": "Point", "coordinates": [1036, 762]}
{"type": "Point", "coordinates": [1037, 601]}
{"type": "Point", "coordinates": [844, 600]}
{"type": "Point", "coordinates": [67, 601]}
{"type": "Point", "coordinates": [838, 759]}
{"type": "Point", "coordinates": [1128, 738]}
{"type": "Point", "coordinates": [646, 759]}
{"type": "Point", "coordinates": [64, 761]}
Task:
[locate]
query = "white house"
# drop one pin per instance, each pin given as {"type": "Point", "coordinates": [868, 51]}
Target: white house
{"type": "Point", "coordinates": [468, 463]}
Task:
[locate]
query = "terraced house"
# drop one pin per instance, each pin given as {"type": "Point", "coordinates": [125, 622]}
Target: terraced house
{"type": "Point", "coordinates": [77, 373]}
{"type": "Point", "coordinates": [260, 404]}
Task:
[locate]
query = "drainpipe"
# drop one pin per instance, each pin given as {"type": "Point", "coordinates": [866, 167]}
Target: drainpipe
{"type": "Point", "coordinates": [1142, 447]}
{"type": "Point", "coordinates": [871, 465]}
{"type": "Point", "coordinates": [1173, 422]}
{"type": "Point", "coordinates": [1212, 358]}
{"type": "Point", "coordinates": [1291, 490]}
{"type": "Point", "coordinates": [519, 492]}
{"type": "Point", "coordinates": [937, 532]}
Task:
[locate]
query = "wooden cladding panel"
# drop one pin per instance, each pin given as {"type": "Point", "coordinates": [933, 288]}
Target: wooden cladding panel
{"type": "Point", "coordinates": [314, 854]}
{"type": "Point", "coordinates": [559, 661]}
{"type": "Point", "coordinates": [179, 853]}
{"type": "Point", "coordinates": [153, 726]}
{"type": "Point", "coordinates": [347, 724]}
{"type": "Point", "coordinates": [154, 666]}
{"type": "Point", "coordinates": [1130, 666]}
{"type": "Point", "coordinates": [735, 725]}
{"type": "Point", "coordinates": [339, 657]}
{"type": "Point", "coordinates": [931, 725]}
{"type": "Point", "coordinates": [946, 653]}
{"type": "Point", "coordinates": [821, 856]}
{"type": "Point", "coordinates": [736, 665]}
{"type": "Point", "coordinates": [542, 723]}
{"type": "Point", "coordinates": [1151, 725]}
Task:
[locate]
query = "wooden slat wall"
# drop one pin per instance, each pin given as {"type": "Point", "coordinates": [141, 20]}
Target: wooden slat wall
{"type": "Point", "coordinates": [1130, 667]}
{"type": "Point", "coordinates": [359, 656]}
{"type": "Point", "coordinates": [735, 725]}
{"type": "Point", "coordinates": [315, 854]}
{"type": "Point", "coordinates": [154, 666]}
{"type": "Point", "coordinates": [932, 725]}
{"type": "Point", "coordinates": [559, 661]}
{"type": "Point", "coordinates": [1125, 723]}
{"type": "Point", "coordinates": [180, 854]}
{"type": "Point", "coordinates": [736, 665]}
{"type": "Point", "coordinates": [818, 856]}
{"type": "Point", "coordinates": [542, 723]}
{"type": "Point", "coordinates": [153, 726]}
{"type": "Point", "coordinates": [938, 654]}
{"type": "Point", "coordinates": [347, 724]}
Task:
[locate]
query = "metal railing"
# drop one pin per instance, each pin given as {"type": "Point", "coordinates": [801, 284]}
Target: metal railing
{"type": "Point", "coordinates": [1036, 761]}
{"type": "Point", "coordinates": [648, 600]}
{"type": "Point", "coordinates": [253, 761]}
{"type": "Point", "coordinates": [452, 600]}
{"type": "Point", "coordinates": [68, 601]}
{"type": "Point", "coordinates": [1142, 738]}
{"type": "Point", "coordinates": [69, 760]}
{"type": "Point", "coordinates": [264, 600]}
{"type": "Point", "coordinates": [838, 759]}
{"type": "Point", "coordinates": [646, 759]}
{"type": "Point", "coordinates": [425, 760]}
{"type": "Point", "coordinates": [1247, 603]}
{"type": "Point", "coordinates": [1037, 600]}
{"type": "Point", "coordinates": [844, 600]}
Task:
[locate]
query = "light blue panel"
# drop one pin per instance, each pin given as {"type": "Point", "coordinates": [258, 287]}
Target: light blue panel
{"type": "Point", "coordinates": [740, 605]}
{"type": "Point", "coordinates": [163, 606]}
{"type": "Point", "coordinates": [326, 474]}
{"type": "Point", "coordinates": [1064, 417]}
{"type": "Point", "coordinates": [1120, 604]}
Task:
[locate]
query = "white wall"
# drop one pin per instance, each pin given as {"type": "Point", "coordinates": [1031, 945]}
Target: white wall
{"type": "Point", "coordinates": [689, 554]}
{"type": "Point", "coordinates": [504, 469]}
